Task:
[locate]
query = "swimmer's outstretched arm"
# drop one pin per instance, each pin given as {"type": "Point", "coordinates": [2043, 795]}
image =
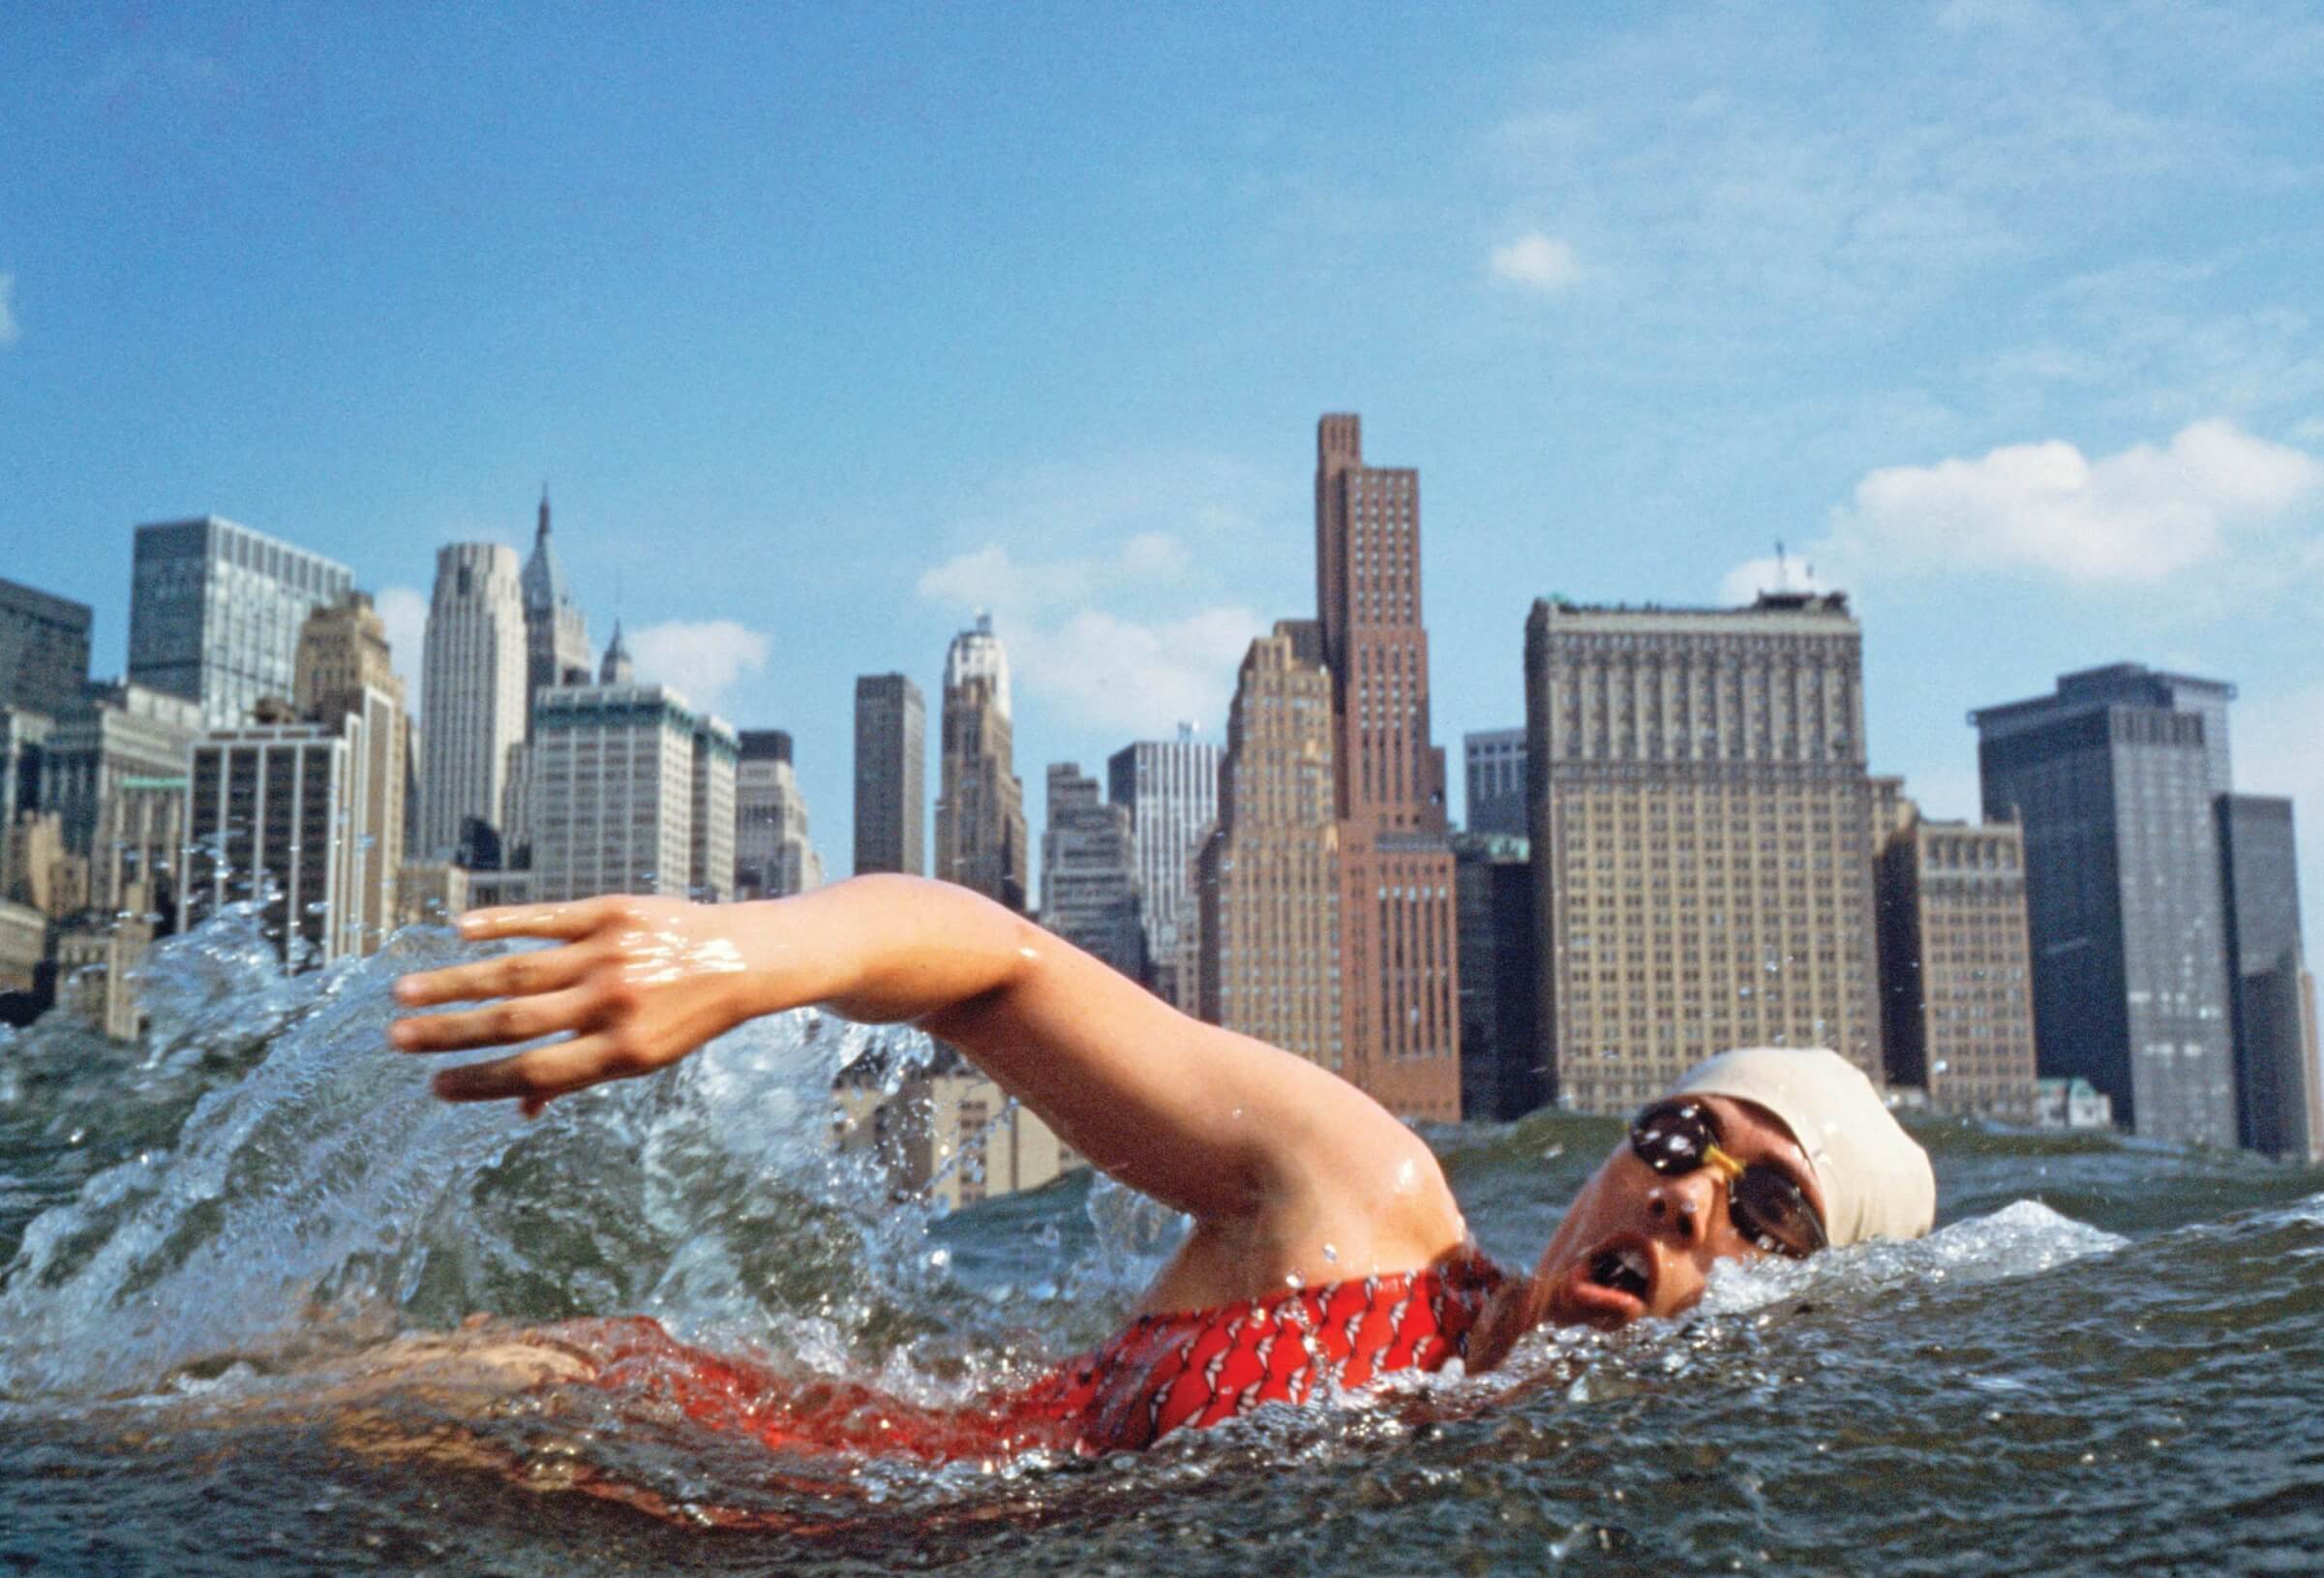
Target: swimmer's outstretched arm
{"type": "Point", "coordinates": [1214, 1123]}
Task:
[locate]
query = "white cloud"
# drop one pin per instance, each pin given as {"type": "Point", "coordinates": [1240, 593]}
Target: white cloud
{"type": "Point", "coordinates": [404, 610]}
{"type": "Point", "coordinates": [1118, 585]}
{"type": "Point", "coordinates": [699, 658]}
{"type": "Point", "coordinates": [2047, 512]}
{"type": "Point", "coordinates": [8, 332]}
{"type": "Point", "coordinates": [1137, 678]}
{"type": "Point", "coordinates": [1537, 262]}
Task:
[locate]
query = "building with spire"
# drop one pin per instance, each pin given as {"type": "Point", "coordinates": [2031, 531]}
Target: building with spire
{"type": "Point", "coordinates": [557, 633]}
{"type": "Point", "coordinates": [981, 836]}
{"type": "Point", "coordinates": [615, 668]}
{"type": "Point", "coordinates": [1397, 926]}
{"type": "Point", "coordinates": [474, 701]}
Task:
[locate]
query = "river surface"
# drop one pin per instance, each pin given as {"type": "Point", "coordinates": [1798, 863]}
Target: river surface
{"type": "Point", "coordinates": [2110, 1358]}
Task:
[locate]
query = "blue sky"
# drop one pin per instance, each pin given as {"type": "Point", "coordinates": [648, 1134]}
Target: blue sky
{"type": "Point", "coordinates": [828, 324]}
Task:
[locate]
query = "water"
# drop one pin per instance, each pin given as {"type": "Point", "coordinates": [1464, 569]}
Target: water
{"type": "Point", "coordinates": [2110, 1358]}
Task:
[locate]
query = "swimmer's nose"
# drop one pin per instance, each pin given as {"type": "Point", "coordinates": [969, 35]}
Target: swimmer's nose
{"type": "Point", "coordinates": [1680, 1207]}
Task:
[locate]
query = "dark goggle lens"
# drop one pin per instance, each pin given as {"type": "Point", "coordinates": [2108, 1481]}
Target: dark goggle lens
{"type": "Point", "coordinates": [1676, 1138]}
{"type": "Point", "coordinates": [1769, 1210]}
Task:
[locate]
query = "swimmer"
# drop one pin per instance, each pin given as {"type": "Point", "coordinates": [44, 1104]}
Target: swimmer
{"type": "Point", "coordinates": [1326, 1247]}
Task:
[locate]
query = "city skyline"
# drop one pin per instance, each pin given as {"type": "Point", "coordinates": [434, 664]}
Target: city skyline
{"type": "Point", "coordinates": [2041, 369]}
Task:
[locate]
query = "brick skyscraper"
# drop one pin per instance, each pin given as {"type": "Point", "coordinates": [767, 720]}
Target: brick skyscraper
{"type": "Point", "coordinates": [1400, 981]}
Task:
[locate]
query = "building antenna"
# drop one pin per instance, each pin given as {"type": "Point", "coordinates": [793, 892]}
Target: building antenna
{"type": "Point", "coordinates": [1783, 570]}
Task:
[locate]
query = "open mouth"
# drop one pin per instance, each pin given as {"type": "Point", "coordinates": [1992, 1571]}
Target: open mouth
{"type": "Point", "coordinates": [1624, 1268]}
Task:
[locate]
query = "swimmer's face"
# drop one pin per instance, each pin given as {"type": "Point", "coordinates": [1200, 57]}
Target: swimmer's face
{"type": "Point", "coordinates": [1636, 1242]}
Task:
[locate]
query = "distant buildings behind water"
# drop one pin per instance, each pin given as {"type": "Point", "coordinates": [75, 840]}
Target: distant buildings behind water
{"type": "Point", "coordinates": [1683, 847]}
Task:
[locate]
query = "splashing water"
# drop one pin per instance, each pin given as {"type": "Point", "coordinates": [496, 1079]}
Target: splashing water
{"type": "Point", "coordinates": [2104, 1344]}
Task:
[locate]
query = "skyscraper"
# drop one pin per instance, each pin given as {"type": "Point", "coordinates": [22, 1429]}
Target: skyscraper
{"type": "Point", "coordinates": [891, 780]}
{"type": "Point", "coordinates": [215, 612]}
{"type": "Point", "coordinates": [773, 856]}
{"type": "Point", "coordinates": [1501, 1069]}
{"type": "Point", "coordinates": [345, 669]}
{"type": "Point", "coordinates": [1956, 975]}
{"type": "Point", "coordinates": [44, 649]}
{"type": "Point", "coordinates": [716, 758]}
{"type": "Point", "coordinates": [557, 633]}
{"type": "Point", "coordinates": [2274, 1058]}
{"type": "Point", "coordinates": [1495, 762]}
{"type": "Point", "coordinates": [1170, 788]}
{"type": "Point", "coordinates": [614, 790]}
{"type": "Point", "coordinates": [474, 696]}
{"type": "Point", "coordinates": [1088, 872]}
{"type": "Point", "coordinates": [980, 838]}
{"type": "Point", "coordinates": [1702, 831]}
{"type": "Point", "coordinates": [1267, 878]}
{"type": "Point", "coordinates": [1398, 932]}
{"type": "Point", "coordinates": [2113, 777]}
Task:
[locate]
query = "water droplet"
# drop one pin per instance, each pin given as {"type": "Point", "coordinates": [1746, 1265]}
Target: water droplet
{"type": "Point", "coordinates": [1331, 1252]}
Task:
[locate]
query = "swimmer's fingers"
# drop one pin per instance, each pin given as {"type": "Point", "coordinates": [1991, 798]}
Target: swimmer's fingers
{"type": "Point", "coordinates": [563, 923]}
{"type": "Point", "coordinates": [511, 975]}
{"type": "Point", "coordinates": [535, 1077]}
{"type": "Point", "coordinates": [502, 1025]}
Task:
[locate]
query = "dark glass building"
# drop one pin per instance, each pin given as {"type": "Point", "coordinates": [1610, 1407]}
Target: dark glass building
{"type": "Point", "coordinates": [44, 649]}
{"type": "Point", "coordinates": [215, 613]}
{"type": "Point", "coordinates": [2273, 1057]}
{"type": "Point", "coordinates": [892, 775]}
{"type": "Point", "coordinates": [2112, 778]}
{"type": "Point", "coordinates": [1502, 1073]}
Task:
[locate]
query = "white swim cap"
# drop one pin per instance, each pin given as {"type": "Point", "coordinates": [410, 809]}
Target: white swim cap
{"type": "Point", "coordinates": [1874, 1178]}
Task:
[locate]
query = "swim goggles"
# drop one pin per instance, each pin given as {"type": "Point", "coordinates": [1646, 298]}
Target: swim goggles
{"type": "Point", "coordinates": [1677, 1135]}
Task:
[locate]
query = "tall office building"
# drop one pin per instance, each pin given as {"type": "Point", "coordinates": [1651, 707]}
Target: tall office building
{"type": "Point", "coordinates": [892, 775]}
{"type": "Point", "coordinates": [1398, 933]}
{"type": "Point", "coordinates": [1503, 1076]}
{"type": "Point", "coordinates": [44, 649]}
{"type": "Point", "coordinates": [2112, 778]}
{"type": "Point", "coordinates": [1702, 829]}
{"type": "Point", "coordinates": [474, 696]}
{"type": "Point", "coordinates": [1956, 970]}
{"type": "Point", "coordinates": [716, 762]}
{"type": "Point", "coordinates": [557, 633]}
{"type": "Point", "coordinates": [1496, 781]}
{"type": "Point", "coordinates": [1267, 878]}
{"type": "Point", "coordinates": [1170, 788]}
{"type": "Point", "coordinates": [1089, 875]}
{"type": "Point", "coordinates": [614, 790]}
{"type": "Point", "coordinates": [215, 612]}
{"type": "Point", "coordinates": [279, 815]}
{"type": "Point", "coordinates": [773, 856]}
{"type": "Point", "coordinates": [345, 667]}
{"type": "Point", "coordinates": [2274, 1053]}
{"type": "Point", "coordinates": [980, 838]}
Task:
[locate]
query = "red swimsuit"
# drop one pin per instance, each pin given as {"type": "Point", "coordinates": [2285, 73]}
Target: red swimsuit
{"type": "Point", "coordinates": [1160, 1374]}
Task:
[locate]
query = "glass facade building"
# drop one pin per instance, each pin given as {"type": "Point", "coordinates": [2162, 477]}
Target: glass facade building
{"type": "Point", "coordinates": [2112, 780]}
{"type": "Point", "coordinates": [216, 610]}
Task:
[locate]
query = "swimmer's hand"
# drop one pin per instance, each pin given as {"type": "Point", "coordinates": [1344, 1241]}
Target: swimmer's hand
{"type": "Point", "coordinates": [637, 983]}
